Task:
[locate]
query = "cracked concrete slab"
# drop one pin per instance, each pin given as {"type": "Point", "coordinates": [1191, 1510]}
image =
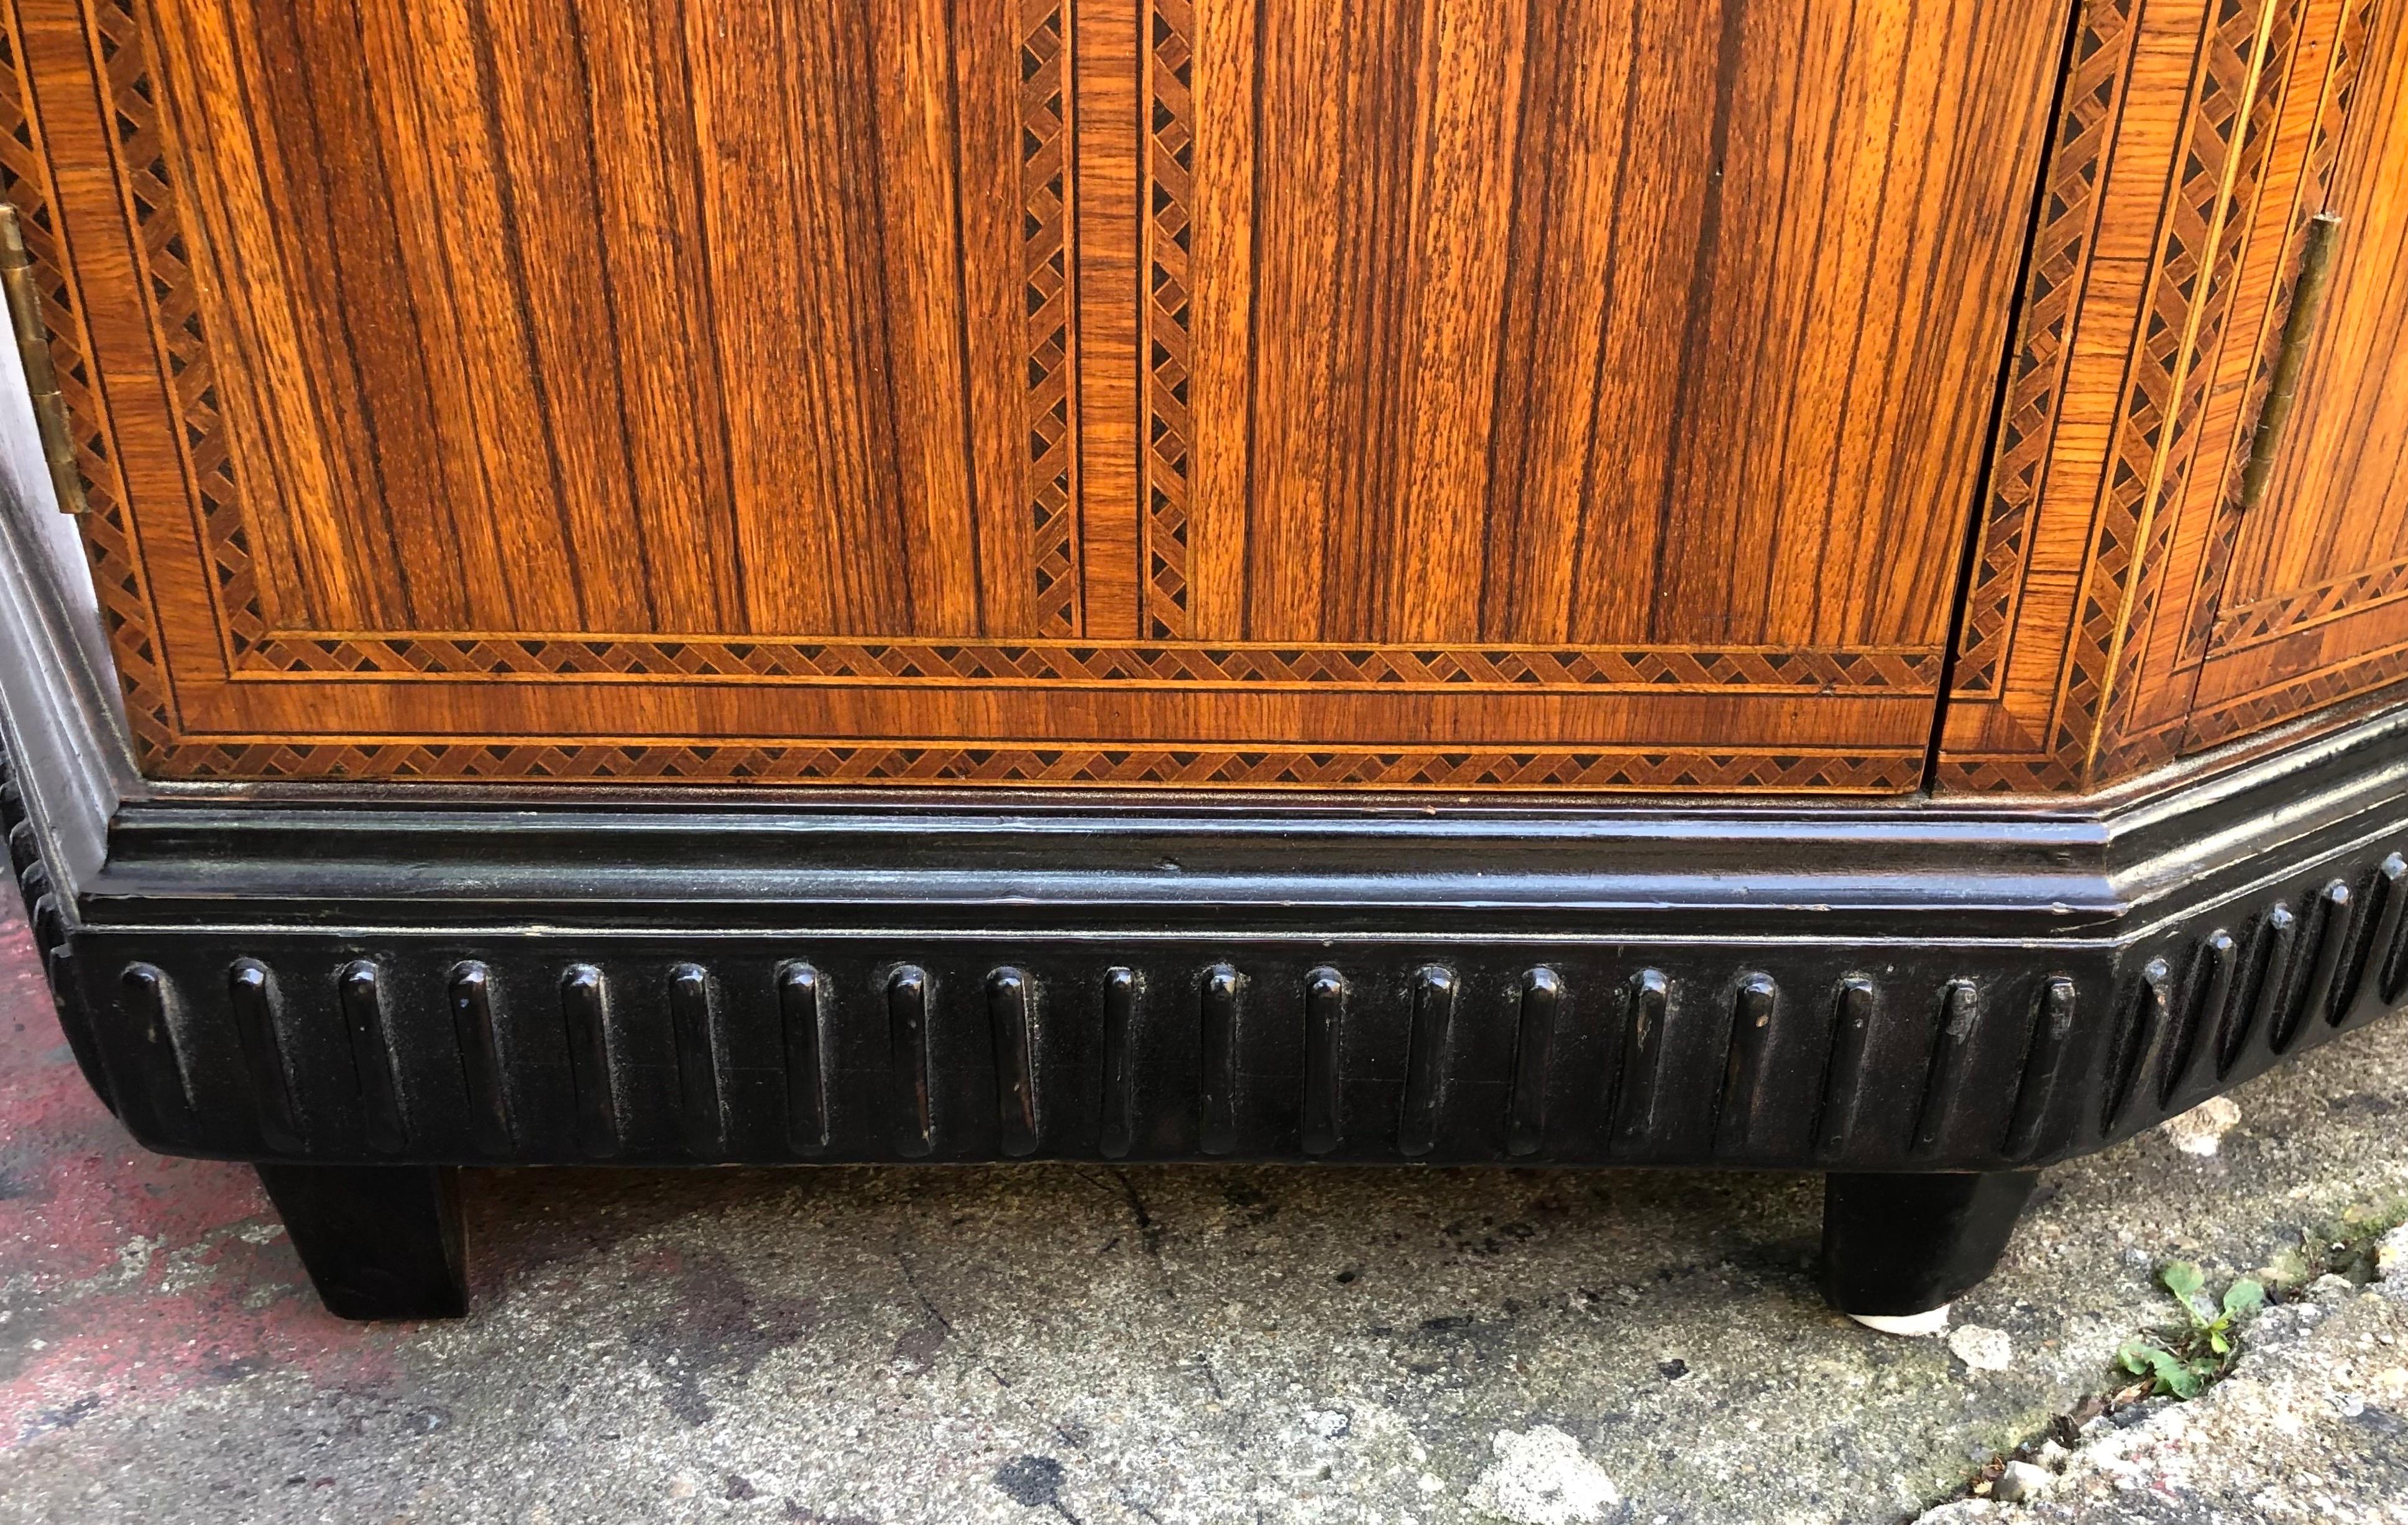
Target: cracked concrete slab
{"type": "Point", "coordinates": [1075, 1342]}
{"type": "Point", "coordinates": [2311, 1427]}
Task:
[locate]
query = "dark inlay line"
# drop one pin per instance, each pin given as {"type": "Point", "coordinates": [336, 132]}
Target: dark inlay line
{"type": "Point", "coordinates": [150, 1007]}
{"type": "Point", "coordinates": [1425, 1060]}
{"type": "Point", "coordinates": [1217, 1100]}
{"type": "Point", "coordinates": [1117, 1132]}
{"type": "Point", "coordinates": [1526, 1117]}
{"type": "Point", "coordinates": [363, 1002]}
{"type": "Point", "coordinates": [480, 1059]}
{"type": "Point", "coordinates": [907, 1047]}
{"type": "Point", "coordinates": [1324, 1019]}
{"type": "Point", "coordinates": [262, 1058]}
{"type": "Point", "coordinates": [698, 1105]}
{"type": "Point", "coordinates": [1751, 1037]}
{"type": "Point", "coordinates": [1647, 1003]}
{"type": "Point", "coordinates": [2335, 915]}
{"type": "Point", "coordinates": [2390, 942]}
{"type": "Point", "coordinates": [1011, 1002]}
{"type": "Point", "coordinates": [799, 1013]}
{"type": "Point", "coordinates": [585, 1023]}
{"type": "Point", "coordinates": [2269, 967]}
{"type": "Point", "coordinates": [2206, 996]}
{"type": "Point", "coordinates": [1952, 1051]}
{"type": "Point", "coordinates": [2044, 1062]}
{"type": "Point", "coordinates": [1852, 1029]}
{"type": "Point", "coordinates": [2144, 1023]}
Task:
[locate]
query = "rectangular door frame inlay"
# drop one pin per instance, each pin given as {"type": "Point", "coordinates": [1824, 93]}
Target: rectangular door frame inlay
{"type": "Point", "coordinates": [1111, 686]}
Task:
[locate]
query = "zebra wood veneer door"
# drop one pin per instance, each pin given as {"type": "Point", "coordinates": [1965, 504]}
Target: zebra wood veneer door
{"type": "Point", "coordinates": [2131, 601]}
{"type": "Point", "coordinates": [1405, 394]}
{"type": "Point", "coordinates": [2310, 597]}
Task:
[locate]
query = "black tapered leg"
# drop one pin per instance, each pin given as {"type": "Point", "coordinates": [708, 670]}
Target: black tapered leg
{"type": "Point", "coordinates": [1898, 1245]}
{"type": "Point", "coordinates": [380, 1241]}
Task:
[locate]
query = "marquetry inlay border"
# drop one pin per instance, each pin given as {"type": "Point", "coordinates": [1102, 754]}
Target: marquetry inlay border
{"type": "Point", "coordinates": [885, 663]}
{"type": "Point", "coordinates": [2246, 67]}
{"type": "Point", "coordinates": [118, 578]}
{"type": "Point", "coordinates": [256, 648]}
{"type": "Point", "coordinates": [2065, 230]}
{"type": "Point", "coordinates": [2059, 685]}
{"type": "Point", "coordinates": [1793, 770]}
{"type": "Point", "coordinates": [1164, 333]}
{"type": "Point", "coordinates": [2210, 627]}
{"type": "Point", "coordinates": [1047, 193]}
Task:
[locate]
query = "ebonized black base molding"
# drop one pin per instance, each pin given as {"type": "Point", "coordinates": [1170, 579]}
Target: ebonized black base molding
{"type": "Point", "coordinates": [355, 986]}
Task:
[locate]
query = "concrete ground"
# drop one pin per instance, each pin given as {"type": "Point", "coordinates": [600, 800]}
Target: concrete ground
{"type": "Point", "coordinates": [1159, 1345]}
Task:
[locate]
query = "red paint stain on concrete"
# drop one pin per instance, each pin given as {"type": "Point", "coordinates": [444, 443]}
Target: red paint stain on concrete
{"type": "Point", "coordinates": [126, 1277]}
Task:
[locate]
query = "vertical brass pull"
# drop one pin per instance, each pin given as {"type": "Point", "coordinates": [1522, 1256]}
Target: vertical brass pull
{"type": "Point", "coordinates": [2298, 327]}
{"type": "Point", "coordinates": [34, 346]}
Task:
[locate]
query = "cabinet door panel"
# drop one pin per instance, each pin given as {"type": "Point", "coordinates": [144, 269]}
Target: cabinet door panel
{"type": "Point", "coordinates": [1414, 394]}
{"type": "Point", "coordinates": [564, 318]}
{"type": "Point", "coordinates": [2315, 597]}
{"type": "Point", "coordinates": [2126, 609]}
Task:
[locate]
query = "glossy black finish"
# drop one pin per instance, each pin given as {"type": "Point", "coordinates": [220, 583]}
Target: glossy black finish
{"type": "Point", "coordinates": [1434, 989]}
{"type": "Point", "coordinates": [907, 1061]}
{"type": "Point", "coordinates": [1324, 1016]}
{"type": "Point", "coordinates": [586, 1028]}
{"type": "Point", "coordinates": [1010, 1003]}
{"type": "Point", "coordinates": [804, 1026]}
{"type": "Point", "coordinates": [394, 975]}
{"type": "Point", "coordinates": [1117, 1109]}
{"type": "Point", "coordinates": [378, 1241]}
{"type": "Point", "coordinates": [380, 1122]}
{"type": "Point", "coordinates": [1895, 1244]}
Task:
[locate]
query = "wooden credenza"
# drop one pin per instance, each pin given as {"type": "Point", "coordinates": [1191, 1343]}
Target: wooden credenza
{"type": "Point", "coordinates": [1977, 430]}
{"type": "Point", "coordinates": [1781, 397]}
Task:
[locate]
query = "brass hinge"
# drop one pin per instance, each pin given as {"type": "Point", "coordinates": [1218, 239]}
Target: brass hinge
{"type": "Point", "coordinates": [34, 346]}
{"type": "Point", "coordinates": [2298, 327]}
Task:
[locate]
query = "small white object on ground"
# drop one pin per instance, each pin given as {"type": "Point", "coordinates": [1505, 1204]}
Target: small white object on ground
{"type": "Point", "coordinates": [1913, 1325]}
{"type": "Point", "coordinates": [2021, 1480]}
{"type": "Point", "coordinates": [1983, 1349]}
{"type": "Point", "coordinates": [1542, 1479]}
{"type": "Point", "coordinates": [2201, 1131]}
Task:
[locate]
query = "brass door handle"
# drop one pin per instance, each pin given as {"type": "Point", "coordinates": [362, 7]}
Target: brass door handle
{"type": "Point", "coordinates": [2298, 327]}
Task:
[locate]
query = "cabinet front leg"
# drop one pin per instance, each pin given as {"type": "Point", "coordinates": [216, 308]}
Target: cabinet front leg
{"type": "Point", "coordinates": [1899, 1247]}
{"type": "Point", "coordinates": [378, 1241]}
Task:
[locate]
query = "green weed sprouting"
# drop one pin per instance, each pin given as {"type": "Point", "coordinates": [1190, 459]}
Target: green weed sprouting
{"type": "Point", "coordinates": [2183, 1362]}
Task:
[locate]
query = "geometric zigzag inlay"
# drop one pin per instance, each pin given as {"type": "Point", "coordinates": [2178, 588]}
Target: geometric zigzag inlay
{"type": "Point", "coordinates": [2301, 607]}
{"type": "Point", "coordinates": [2063, 236]}
{"type": "Point", "coordinates": [2206, 631]}
{"type": "Point", "coordinates": [1820, 670]}
{"type": "Point", "coordinates": [2204, 255]}
{"type": "Point", "coordinates": [2157, 397]}
{"type": "Point", "coordinates": [1072, 766]}
{"type": "Point", "coordinates": [122, 53]}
